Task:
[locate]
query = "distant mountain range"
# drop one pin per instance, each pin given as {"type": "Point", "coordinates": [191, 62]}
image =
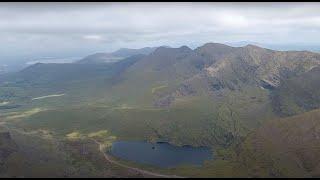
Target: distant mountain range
{"type": "Point", "coordinates": [116, 55]}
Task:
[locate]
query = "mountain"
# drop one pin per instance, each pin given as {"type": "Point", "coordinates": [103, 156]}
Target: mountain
{"type": "Point", "coordinates": [115, 56]}
{"type": "Point", "coordinates": [52, 72]}
{"type": "Point", "coordinates": [213, 69]}
{"type": "Point", "coordinates": [215, 95]}
{"type": "Point", "coordinates": [244, 43]}
{"type": "Point", "coordinates": [126, 52]}
{"type": "Point", "coordinates": [233, 85]}
{"type": "Point", "coordinates": [237, 83]}
{"type": "Point", "coordinates": [80, 81]}
{"type": "Point", "coordinates": [252, 64]}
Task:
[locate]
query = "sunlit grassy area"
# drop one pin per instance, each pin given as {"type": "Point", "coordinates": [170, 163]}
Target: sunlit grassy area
{"type": "Point", "coordinates": [23, 114]}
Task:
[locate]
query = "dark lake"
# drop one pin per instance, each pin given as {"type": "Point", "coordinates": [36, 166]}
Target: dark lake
{"type": "Point", "coordinates": [160, 154]}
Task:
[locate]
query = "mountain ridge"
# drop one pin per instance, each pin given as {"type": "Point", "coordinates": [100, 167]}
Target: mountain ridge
{"type": "Point", "coordinates": [115, 56]}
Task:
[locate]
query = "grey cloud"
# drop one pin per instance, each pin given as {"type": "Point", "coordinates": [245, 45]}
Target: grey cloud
{"type": "Point", "coordinates": [45, 27]}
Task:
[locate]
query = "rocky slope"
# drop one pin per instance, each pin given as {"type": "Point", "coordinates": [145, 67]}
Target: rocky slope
{"type": "Point", "coordinates": [298, 94]}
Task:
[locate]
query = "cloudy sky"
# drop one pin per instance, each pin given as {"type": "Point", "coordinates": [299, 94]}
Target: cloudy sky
{"type": "Point", "coordinates": [33, 30]}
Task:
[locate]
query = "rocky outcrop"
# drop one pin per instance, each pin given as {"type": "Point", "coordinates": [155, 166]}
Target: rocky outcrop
{"type": "Point", "coordinates": [166, 100]}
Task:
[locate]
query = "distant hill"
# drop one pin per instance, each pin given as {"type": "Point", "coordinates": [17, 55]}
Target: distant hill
{"type": "Point", "coordinates": [115, 56]}
{"type": "Point", "coordinates": [80, 81]}
{"type": "Point", "coordinates": [126, 52]}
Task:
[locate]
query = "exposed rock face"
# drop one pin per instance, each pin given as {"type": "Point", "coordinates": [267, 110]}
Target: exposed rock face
{"type": "Point", "coordinates": [185, 90]}
{"type": "Point", "coordinates": [166, 100]}
{"type": "Point", "coordinates": [222, 66]}
{"type": "Point", "coordinates": [254, 64]}
{"type": "Point", "coordinates": [298, 93]}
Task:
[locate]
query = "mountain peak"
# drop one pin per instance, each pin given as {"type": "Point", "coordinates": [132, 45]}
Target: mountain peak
{"type": "Point", "coordinates": [166, 49]}
{"type": "Point", "coordinates": [215, 45]}
{"type": "Point", "coordinates": [115, 56]}
{"type": "Point", "coordinates": [251, 46]}
{"type": "Point", "coordinates": [185, 48]}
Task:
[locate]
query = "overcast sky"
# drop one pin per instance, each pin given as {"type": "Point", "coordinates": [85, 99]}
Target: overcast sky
{"type": "Point", "coordinates": [76, 29]}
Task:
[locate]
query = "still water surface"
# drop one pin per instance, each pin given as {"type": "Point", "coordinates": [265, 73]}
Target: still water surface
{"type": "Point", "coordinates": [160, 154]}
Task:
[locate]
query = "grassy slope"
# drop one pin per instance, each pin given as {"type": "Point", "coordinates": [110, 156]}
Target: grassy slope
{"type": "Point", "coordinates": [298, 94]}
{"type": "Point", "coordinates": [82, 83]}
{"type": "Point", "coordinates": [191, 120]}
{"type": "Point", "coordinates": [286, 147]}
{"type": "Point", "coordinates": [43, 154]}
